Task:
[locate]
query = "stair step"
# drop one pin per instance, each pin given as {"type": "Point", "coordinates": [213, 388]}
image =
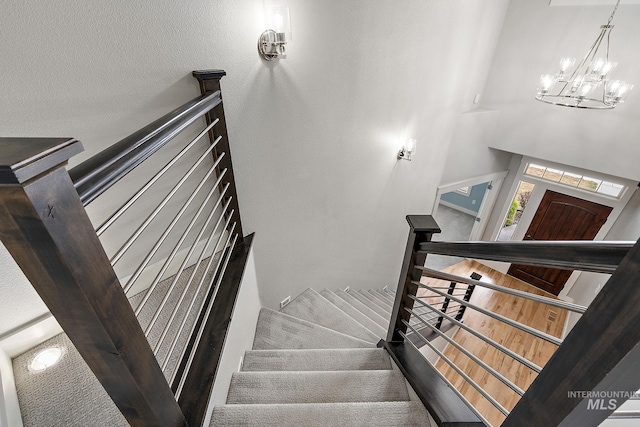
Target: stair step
{"type": "Point", "coordinates": [354, 313]}
{"type": "Point", "coordinates": [364, 309]}
{"type": "Point", "coordinates": [383, 296]}
{"type": "Point", "coordinates": [277, 330]}
{"type": "Point", "coordinates": [386, 304]}
{"type": "Point", "coordinates": [317, 387]}
{"type": "Point", "coordinates": [372, 306]}
{"type": "Point", "coordinates": [316, 360]}
{"type": "Point", "coordinates": [399, 414]}
{"type": "Point", "coordinates": [313, 307]}
{"type": "Point", "coordinates": [375, 300]}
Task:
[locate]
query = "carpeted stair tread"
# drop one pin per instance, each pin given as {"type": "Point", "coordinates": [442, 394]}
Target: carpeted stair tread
{"type": "Point", "coordinates": [383, 296]}
{"type": "Point", "coordinates": [314, 308]}
{"type": "Point", "coordinates": [353, 312]}
{"type": "Point", "coordinates": [316, 360]}
{"type": "Point", "coordinates": [375, 300]}
{"type": "Point", "coordinates": [371, 305]}
{"type": "Point", "coordinates": [364, 309]}
{"type": "Point", "coordinates": [317, 387]}
{"type": "Point", "coordinates": [385, 304]}
{"type": "Point", "coordinates": [277, 330]}
{"type": "Point", "coordinates": [401, 414]}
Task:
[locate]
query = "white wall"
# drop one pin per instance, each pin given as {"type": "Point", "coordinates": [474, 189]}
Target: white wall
{"type": "Point", "coordinates": [314, 137]}
{"type": "Point", "coordinates": [534, 38]}
{"type": "Point", "coordinates": [469, 154]}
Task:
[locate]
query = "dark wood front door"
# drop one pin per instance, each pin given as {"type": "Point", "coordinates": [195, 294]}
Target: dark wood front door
{"type": "Point", "coordinates": [560, 217]}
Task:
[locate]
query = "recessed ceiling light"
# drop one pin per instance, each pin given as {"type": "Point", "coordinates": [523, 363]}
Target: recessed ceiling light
{"type": "Point", "coordinates": [45, 359]}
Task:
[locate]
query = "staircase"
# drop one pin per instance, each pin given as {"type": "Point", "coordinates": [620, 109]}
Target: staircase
{"type": "Point", "coordinates": [315, 363]}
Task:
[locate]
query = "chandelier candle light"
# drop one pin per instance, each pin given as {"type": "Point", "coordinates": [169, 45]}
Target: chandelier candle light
{"type": "Point", "coordinates": [589, 84]}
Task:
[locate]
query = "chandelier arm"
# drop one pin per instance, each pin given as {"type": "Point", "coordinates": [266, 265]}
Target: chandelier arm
{"type": "Point", "coordinates": [613, 13]}
{"type": "Point", "coordinates": [593, 52]}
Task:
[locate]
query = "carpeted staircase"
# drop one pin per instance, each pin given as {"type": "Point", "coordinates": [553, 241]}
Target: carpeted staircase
{"type": "Point", "coordinates": [315, 363]}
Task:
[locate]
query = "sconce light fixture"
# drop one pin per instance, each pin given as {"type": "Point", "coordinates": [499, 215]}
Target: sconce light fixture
{"type": "Point", "coordinates": [407, 149]}
{"type": "Point", "coordinates": [271, 43]}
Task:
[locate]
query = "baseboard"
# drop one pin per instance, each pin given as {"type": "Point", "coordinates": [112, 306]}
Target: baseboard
{"type": "Point", "coordinates": [458, 208]}
{"type": "Point", "coordinates": [29, 335]}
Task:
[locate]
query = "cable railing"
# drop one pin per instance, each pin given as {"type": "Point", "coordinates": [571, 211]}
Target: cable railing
{"type": "Point", "coordinates": [462, 361]}
{"type": "Point", "coordinates": [189, 250]}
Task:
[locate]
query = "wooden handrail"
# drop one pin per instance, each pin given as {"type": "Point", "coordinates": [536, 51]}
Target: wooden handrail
{"type": "Point", "coordinates": [98, 173]}
{"type": "Point", "coordinates": [48, 233]}
{"type": "Point", "coordinates": [45, 227]}
{"type": "Point", "coordinates": [600, 353]}
{"type": "Point", "coordinates": [594, 256]}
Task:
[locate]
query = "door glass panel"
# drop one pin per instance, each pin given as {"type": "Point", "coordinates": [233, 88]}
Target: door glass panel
{"type": "Point", "coordinates": [517, 207]}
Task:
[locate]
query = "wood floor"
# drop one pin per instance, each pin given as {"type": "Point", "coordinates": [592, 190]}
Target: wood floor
{"type": "Point", "coordinates": [540, 316]}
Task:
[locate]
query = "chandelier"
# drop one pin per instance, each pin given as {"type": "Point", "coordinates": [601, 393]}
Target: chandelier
{"type": "Point", "coordinates": [589, 84]}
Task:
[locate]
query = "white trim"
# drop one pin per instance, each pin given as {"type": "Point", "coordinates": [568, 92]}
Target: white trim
{"type": "Point", "coordinates": [10, 415]}
{"type": "Point", "coordinates": [29, 335]}
{"type": "Point", "coordinates": [541, 185]}
{"type": "Point", "coordinates": [445, 188]}
{"type": "Point", "coordinates": [488, 201]}
{"type": "Point", "coordinates": [458, 208]}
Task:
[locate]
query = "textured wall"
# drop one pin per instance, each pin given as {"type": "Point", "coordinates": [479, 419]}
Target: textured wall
{"type": "Point", "coordinates": [314, 137]}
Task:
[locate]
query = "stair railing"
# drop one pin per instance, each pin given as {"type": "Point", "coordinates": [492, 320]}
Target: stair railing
{"type": "Point", "coordinates": [595, 355]}
{"type": "Point", "coordinates": [158, 372]}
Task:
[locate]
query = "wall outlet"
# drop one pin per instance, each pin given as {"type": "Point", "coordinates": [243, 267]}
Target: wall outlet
{"type": "Point", "coordinates": [347, 288]}
{"type": "Point", "coordinates": [285, 301]}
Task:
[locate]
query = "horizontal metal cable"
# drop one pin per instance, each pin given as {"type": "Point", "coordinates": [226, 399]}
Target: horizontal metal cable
{"type": "Point", "coordinates": [114, 217]}
{"type": "Point", "coordinates": [164, 202]}
{"type": "Point", "coordinates": [449, 383]}
{"type": "Point", "coordinates": [504, 380]}
{"type": "Point", "coordinates": [510, 322]}
{"type": "Point", "coordinates": [173, 254]}
{"type": "Point", "coordinates": [529, 364]}
{"type": "Point", "coordinates": [173, 223]}
{"type": "Point", "coordinates": [174, 342]}
{"type": "Point", "coordinates": [622, 415]}
{"type": "Point", "coordinates": [206, 316]}
{"type": "Point", "coordinates": [522, 294]}
{"type": "Point", "coordinates": [176, 277]}
{"type": "Point", "coordinates": [460, 372]}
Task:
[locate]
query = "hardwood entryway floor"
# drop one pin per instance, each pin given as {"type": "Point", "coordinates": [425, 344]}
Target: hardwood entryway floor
{"type": "Point", "coordinates": [540, 316]}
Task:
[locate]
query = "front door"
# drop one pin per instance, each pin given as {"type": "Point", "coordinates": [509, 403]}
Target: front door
{"type": "Point", "coordinates": [559, 217]}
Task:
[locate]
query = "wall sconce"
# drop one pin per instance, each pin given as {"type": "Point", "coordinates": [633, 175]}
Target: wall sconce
{"type": "Point", "coordinates": [271, 42]}
{"type": "Point", "coordinates": [407, 149]}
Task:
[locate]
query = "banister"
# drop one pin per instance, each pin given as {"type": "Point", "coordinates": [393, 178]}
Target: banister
{"type": "Point", "coordinates": [47, 231]}
{"type": "Point", "coordinates": [594, 256]}
{"type": "Point", "coordinates": [98, 173]}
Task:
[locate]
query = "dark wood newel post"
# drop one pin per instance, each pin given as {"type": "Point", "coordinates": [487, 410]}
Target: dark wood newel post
{"type": "Point", "coordinates": [422, 228]}
{"type": "Point", "coordinates": [47, 231]}
{"type": "Point", "coordinates": [210, 82]}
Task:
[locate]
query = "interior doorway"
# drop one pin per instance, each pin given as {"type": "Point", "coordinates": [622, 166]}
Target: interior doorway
{"type": "Point", "coordinates": [560, 217]}
{"type": "Point", "coordinates": [460, 211]}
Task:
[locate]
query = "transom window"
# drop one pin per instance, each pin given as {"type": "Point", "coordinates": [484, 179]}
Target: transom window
{"type": "Point", "coordinates": [570, 179]}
